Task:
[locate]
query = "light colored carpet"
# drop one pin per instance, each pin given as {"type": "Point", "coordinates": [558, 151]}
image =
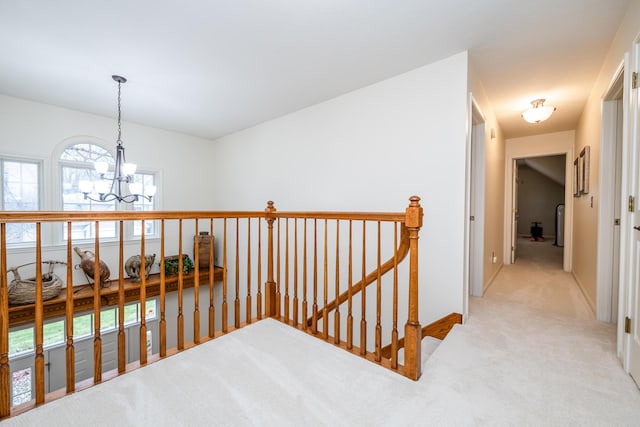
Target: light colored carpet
{"type": "Point", "coordinates": [516, 362]}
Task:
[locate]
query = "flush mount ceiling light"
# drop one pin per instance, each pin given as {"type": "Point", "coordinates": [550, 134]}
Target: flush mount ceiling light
{"type": "Point", "coordinates": [538, 111]}
{"type": "Point", "coordinates": [107, 189]}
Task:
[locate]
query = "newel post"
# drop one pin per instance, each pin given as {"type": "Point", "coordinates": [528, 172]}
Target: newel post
{"type": "Point", "coordinates": [270, 285]}
{"type": "Point", "coordinates": [412, 330]}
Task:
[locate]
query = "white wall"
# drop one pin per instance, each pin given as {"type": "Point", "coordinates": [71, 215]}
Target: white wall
{"type": "Point", "coordinates": [589, 132]}
{"type": "Point", "coordinates": [31, 129]}
{"type": "Point", "coordinates": [494, 152]}
{"type": "Point", "coordinates": [368, 150]}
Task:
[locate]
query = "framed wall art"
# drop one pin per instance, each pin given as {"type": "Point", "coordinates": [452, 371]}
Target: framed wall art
{"type": "Point", "coordinates": [583, 166]}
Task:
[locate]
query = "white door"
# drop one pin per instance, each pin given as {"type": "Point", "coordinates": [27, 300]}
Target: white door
{"type": "Point", "coordinates": [476, 220]}
{"type": "Point", "coordinates": [514, 212]}
{"type": "Point", "coordinates": [633, 319]}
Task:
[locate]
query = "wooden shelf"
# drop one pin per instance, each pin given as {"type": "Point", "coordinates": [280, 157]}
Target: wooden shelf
{"type": "Point", "coordinates": [83, 295]}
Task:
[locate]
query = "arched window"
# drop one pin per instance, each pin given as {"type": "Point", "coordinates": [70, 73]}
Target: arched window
{"type": "Point", "coordinates": [77, 164]}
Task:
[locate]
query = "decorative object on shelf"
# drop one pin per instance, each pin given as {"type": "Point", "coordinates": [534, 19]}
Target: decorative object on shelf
{"type": "Point", "coordinates": [538, 111]}
{"type": "Point", "coordinates": [134, 264]}
{"type": "Point", "coordinates": [23, 291]}
{"type": "Point", "coordinates": [88, 262]}
{"type": "Point", "coordinates": [171, 264]}
{"type": "Point", "coordinates": [110, 189]}
{"type": "Point", "coordinates": [204, 241]}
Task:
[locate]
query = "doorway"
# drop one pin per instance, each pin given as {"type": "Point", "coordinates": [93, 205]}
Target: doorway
{"type": "Point", "coordinates": [609, 213]}
{"type": "Point", "coordinates": [559, 143]}
{"type": "Point", "coordinates": [539, 192]}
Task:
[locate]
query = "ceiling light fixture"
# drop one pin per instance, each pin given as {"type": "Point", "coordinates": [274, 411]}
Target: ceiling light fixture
{"type": "Point", "coordinates": [108, 189]}
{"type": "Point", "coordinates": [538, 111]}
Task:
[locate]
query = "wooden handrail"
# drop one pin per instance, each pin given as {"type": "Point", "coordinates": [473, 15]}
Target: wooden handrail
{"type": "Point", "coordinates": [401, 253]}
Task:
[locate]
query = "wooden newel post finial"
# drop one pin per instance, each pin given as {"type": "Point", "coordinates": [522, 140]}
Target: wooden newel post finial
{"type": "Point", "coordinates": [412, 329]}
{"type": "Point", "coordinates": [270, 285]}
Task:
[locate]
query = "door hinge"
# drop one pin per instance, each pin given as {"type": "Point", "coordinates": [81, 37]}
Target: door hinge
{"type": "Point", "coordinates": [632, 204]}
{"type": "Point", "coordinates": [627, 325]}
{"type": "Point", "coordinates": [634, 80]}
{"type": "Point", "coordinates": [472, 218]}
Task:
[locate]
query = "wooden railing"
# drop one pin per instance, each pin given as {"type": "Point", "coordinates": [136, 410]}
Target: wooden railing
{"type": "Point", "coordinates": [315, 263]}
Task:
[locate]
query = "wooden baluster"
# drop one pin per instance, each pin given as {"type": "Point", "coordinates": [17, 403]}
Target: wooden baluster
{"type": "Point", "coordinates": [259, 294]}
{"type": "Point", "coordinates": [325, 313]}
{"type": "Point", "coordinates": [236, 301]}
{"type": "Point", "coordinates": [225, 308]}
{"type": "Point", "coordinates": [278, 294]}
{"type": "Point", "coordinates": [286, 270]}
{"type": "Point", "coordinates": [270, 286]}
{"type": "Point", "coordinates": [180, 324]}
{"type": "Point", "coordinates": [304, 279]}
{"type": "Point", "coordinates": [314, 307]}
{"type": "Point", "coordinates": [196, 286]}
{"type": "Point", "coordinates": [143, 299]}
{"type": "Point", "coordinates": [70, 350]}
{"type": "Point", "coordinates": [349, 284]}
{"type": "Point", "coordinates": [379, 304]}
{"type": "Point", "coordinates": [163, 294]}
{"type": "Point", "coordinates": [394, 331]}
{"type": "Point", "coordinates": [212, 272]}
{"type": "Point", "coordinates": [122, 346]}
{"type": "Point", "coordinates": [5, 369]}
{"type": "Point", "coordinates": [248, 303]}
{"type": "Point", "coordinates": [39, 319]}
{"type": "Point", "coordinates": [97, 284]}
{"type": "Point", "coordinates": [295, 272]}
{"type": "Point", "coordinates": [363, 319]}
{"type": "Point", "coordinates": [336, 315]}
{"type": "Point", "coordinates": [412, 329]}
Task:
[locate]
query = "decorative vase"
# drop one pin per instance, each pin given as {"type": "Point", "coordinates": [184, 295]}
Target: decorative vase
{"type": "Point", "coordinates": [88, 262]}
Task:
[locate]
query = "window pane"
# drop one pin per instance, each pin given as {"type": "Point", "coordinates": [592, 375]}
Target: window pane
{"type": "Point", "coordinates": [87, 153]}
{"type": "Point", "coordinates": [146, 180]}
{"type": "Point", "coordinates": [151, 309]}
{"type": "Point", "coordinates": [107, 319]}
{"type": "Point", "coordinates": [130, 314]}
{"type": "Point", "coordinates": [82, 325]}
{"type": "Point", "coordinates": [20, 191]}
{"type": "Point", "coordinates": [21, 386]}
{"type": "Point", "coordinates": [54, 333]}
{"type": "Point", "coordinates": [21, 341]}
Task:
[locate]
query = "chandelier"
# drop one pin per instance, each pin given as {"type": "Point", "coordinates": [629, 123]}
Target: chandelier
{"type": "Point", "coordinates": [538, 111]}
{"type": "Point", "coordinates": [110, 188]}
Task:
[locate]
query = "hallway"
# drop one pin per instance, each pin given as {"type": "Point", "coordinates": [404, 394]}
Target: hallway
{"type": "Point", "coordinates": [538, 280]}
{"type": "Point", "coordinates": [539, 357]}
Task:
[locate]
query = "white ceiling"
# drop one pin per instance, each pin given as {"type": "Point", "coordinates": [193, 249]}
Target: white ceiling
{"type": "Point", "coordinates": [209, 68]}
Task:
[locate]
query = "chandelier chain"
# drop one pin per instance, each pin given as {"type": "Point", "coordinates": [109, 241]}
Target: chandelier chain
{"type": "Point", "coordinates": [119, 141]}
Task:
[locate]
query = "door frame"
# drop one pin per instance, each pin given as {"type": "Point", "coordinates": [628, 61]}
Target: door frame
{"type": "Point", "coordinates": [538, 148]}
{"type": "Point", "coordinates": [474, 203]}
{"type": "Point", "coordinates": [607, 292]}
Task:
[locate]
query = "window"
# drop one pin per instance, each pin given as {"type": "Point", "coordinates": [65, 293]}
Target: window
{"type": "Point", "coordinates": [20, 192]}
{"type": "Point", "coordinates": [77, 164]}
{"type": "Point", "coordinates": [22, 340]}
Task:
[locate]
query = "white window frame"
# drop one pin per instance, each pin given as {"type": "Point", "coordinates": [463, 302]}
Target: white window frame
{"type": "Point", "coordinates": [30, 160]}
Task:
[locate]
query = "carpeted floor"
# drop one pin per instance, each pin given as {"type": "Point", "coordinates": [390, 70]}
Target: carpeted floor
{"type": "Point", "coordinates": [522, 359]}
